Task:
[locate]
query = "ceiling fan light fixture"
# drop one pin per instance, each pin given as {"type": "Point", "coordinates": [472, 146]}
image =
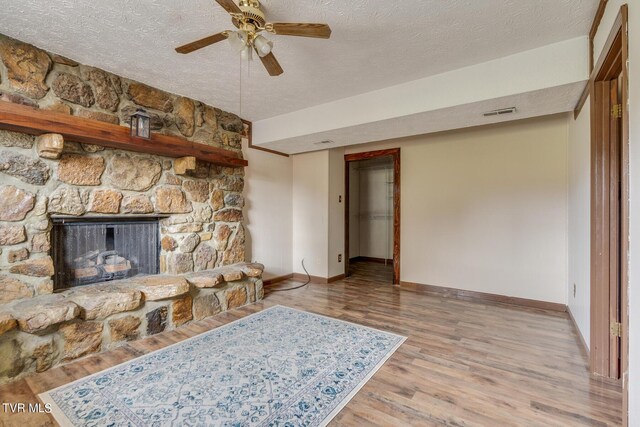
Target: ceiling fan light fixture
{"type": "Point", "coordinates": [249, 19]}
{"type": "Point", "coordinates": [246, 53]}
{"type": "Point", "coordinates": [263, 46]}
{"type": "Point", "coordinates": [238, 40]}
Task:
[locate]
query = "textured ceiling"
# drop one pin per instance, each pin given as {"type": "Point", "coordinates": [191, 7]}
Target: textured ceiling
{"type": "Point", "coordinates": [375, 43]}
{"type": "Point", "coordinates": [542, 102]}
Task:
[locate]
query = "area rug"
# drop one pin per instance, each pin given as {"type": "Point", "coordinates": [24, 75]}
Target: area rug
{"type": "Point", "coordinates": [278, 367]}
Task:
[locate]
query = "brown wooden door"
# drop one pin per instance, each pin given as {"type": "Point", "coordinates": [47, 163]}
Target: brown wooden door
{"type": "Point", "coordinates": [609, 94]}
{"type": "Point", "coordinates": [615, 138]}
{"type": "Point", "coordinates": [606, 229]}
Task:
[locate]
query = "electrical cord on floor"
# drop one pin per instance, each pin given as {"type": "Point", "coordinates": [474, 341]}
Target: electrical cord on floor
{"type": "Point", "coordinates": [295, 287]}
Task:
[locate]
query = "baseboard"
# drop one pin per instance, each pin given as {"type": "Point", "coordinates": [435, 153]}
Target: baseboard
{"type": "Point", "coordinates": [278, 279]}
{"type": "Point", "coordinates": [606, 380]}
{"type": "Point", "coordinates": [582, 343]}
{"type": "Point", "coordinates": [371, 259]}
{"type": "Point", "coordinates": [301, 277]}
{"type": "Point", "coordinates": [336, 278]}
{"type": "Point", "coordinates": [579, 338]}
{"type": "Point", "coordinates": [482, 296]}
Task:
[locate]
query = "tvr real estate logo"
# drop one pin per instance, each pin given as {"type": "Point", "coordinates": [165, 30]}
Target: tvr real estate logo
{"type": "Point", "coordinates": [26, 407]}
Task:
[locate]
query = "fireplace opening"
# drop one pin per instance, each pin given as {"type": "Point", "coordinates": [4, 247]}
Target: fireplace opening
{"type": "Point", "coordinates": [101, 249]}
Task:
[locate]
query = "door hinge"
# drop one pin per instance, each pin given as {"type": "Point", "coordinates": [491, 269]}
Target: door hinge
{"type": "Point", "coordinates": [616, 111]}
{"type": "Point", "coordinates": [616, 329]}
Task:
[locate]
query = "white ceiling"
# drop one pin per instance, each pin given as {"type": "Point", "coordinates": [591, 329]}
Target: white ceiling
{"type": "Point", "coordinates": [375, 43]}
{"type": "Point", "coordinates": [540, 81]}
{"type": "Point", "coordinates": [541, 102]}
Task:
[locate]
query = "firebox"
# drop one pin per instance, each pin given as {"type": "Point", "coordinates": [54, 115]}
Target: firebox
{"type": "Point", "coordinates": [92, 250]}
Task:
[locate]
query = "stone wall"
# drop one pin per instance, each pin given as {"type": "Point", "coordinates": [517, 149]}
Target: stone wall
{"type": "Point", "coordinates": [41, 332]}
{"type": "Point", "coordinates": [47, 176]}
{"type": "Point", "coordinates": [204, 228]}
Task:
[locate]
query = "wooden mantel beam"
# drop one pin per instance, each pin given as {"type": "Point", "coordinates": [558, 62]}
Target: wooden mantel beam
{"type": "Point", "coordinates": [22, 118]}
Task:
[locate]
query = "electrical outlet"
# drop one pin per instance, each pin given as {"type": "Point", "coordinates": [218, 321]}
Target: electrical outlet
{"type": "Point", "coordinates": [574, 290]}
{"type": "Point", "coordinates": [339, 257]}
{"type": "Point", "coordinates": [340, 199]}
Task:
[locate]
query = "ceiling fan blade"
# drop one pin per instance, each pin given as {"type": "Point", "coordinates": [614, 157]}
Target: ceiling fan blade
{"type": "Point", "coordinates": [321, 31]}
{"type": "Point", "coordinates": [230, 6]}
{"type": "Point", "coordinates": [271, 64]}
{"type": "Point", "coordinates": [199, 44]}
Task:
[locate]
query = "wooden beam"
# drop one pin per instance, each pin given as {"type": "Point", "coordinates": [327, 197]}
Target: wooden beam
{"type": "Point", "coordinates": [21, 118]}
{"type": "Point", "coordinates": [581, 101]}
{"type": "Point", "coordinates": [602, 6]}
{"type": "Point", "coordinates": [371, 155]}
{"type": "Point", "coordinates": [249, 137]}
{"type": "Point", "coordinates": [613, 43]}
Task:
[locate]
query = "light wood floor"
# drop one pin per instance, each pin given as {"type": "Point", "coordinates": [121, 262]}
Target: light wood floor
{"type": "Point", "coordinates": [463, 364]}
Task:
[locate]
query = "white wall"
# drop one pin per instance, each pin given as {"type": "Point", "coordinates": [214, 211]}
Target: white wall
{"type": "Point", "coordinates": [609, 17]}
{"type": "Point", "coordinates": [485, 209]}
{"type": "Point", "coordinates": [310, 221]}
{"type": "Point", "coordinates": [318, 212]}
{"type": "Point", "coordinates": [354, 210]}
{"type": "Point", "coordinates": [335, 206]}
{"type": "Point", "coordinates": [268, 210]}
{"type": "Point", "coordinates": [579, 154]}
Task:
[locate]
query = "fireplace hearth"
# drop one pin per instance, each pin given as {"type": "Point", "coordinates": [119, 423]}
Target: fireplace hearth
{"type": "Point", "coordinates": [93, 250]}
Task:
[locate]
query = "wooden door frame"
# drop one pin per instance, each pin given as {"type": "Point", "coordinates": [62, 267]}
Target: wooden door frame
{"type": "Point", "coordinates": [612, 62]}
{"type": "Point", "coordinates": [394, 153]}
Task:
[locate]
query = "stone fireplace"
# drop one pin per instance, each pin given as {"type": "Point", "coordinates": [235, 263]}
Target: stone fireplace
{"type": "Point", "coordinates": [68, 212]}
{"type": "Point", "coordinates": [100, 249]}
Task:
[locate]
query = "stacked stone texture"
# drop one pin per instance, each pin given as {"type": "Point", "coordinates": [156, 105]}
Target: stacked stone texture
{"type": "Point", "coordinates": [40, 332]}
{"type": "Point", "coordinates": [203, 229]}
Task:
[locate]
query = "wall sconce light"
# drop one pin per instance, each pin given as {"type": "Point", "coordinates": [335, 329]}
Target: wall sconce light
{"type": "Point", "coordinates": [140, 124]}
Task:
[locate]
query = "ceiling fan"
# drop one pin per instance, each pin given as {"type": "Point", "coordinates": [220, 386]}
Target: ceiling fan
{"type": "Point", "coordinates": [251, 21]}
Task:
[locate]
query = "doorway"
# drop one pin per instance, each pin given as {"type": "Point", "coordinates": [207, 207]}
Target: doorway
{"type": "Point", "coordinates": [372, 214]}
{"type": "Point", "coordinates": [609, 207]}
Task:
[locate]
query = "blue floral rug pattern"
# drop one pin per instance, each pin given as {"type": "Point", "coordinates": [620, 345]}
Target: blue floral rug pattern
{"type": "Point", "coordinates": [278, 367]}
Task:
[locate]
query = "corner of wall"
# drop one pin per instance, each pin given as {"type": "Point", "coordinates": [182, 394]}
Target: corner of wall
{"type": "Point", "coordinates": [268, 211]}
{"type": "Point", "coordinates": [336, 208]}
{"type": "Point", "coordinates": [310, 219]}
{"type": "Point", "coordinates": [579, 220]}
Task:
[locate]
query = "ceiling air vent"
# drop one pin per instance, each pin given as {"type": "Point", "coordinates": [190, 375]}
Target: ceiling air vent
{"type": "Point", "coordinates": [325, 142]}
{"type": "Point", "coordinates": [500, 112]}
